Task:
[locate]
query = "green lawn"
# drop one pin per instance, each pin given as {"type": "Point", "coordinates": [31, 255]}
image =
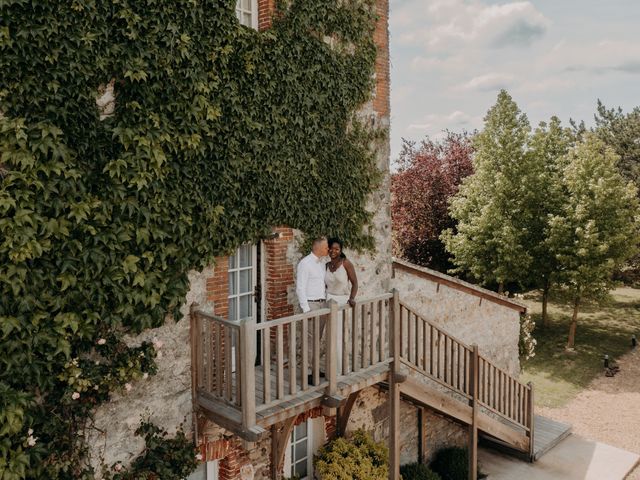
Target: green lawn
{"type": "Point", "coordinates": [602, 329]}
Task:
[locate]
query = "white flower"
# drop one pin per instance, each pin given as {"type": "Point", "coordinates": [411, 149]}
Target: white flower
{"type": "Point", "coordinates": [75, 395]}
{"type": "Point", "coordinates": [95, 387]}
{"type": "Point", "coordinates": [159, 355]}
{"type": "Point", "coordinates": [145, 375]}
{"type": "Point", "coordinates": [102, 341]}
{"type": "Point", "coordinates": [30, 432]}
{"type": "Point", "coordinates": [127, 387]}
{"type": "Point", "coordinates": [199, 457]}
{"type": "Point", "coordinates": [157, 344]}
{"type": "Point", "coordinates": [117, 467]}
{"type": "Point", "coordinates": [31, 441]}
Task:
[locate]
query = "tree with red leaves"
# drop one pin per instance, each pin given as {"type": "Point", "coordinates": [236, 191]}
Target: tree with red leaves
{"type": "Point", "coordinates": [428, 175]}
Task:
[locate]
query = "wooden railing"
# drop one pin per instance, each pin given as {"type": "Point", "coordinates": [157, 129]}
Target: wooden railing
{"type": "Point", "coordinates": [425, 347]}
{"type": "Point", "coordinates": [311, 352]}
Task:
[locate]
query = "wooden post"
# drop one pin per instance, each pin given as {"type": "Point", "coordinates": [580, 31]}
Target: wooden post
{"type": "Point", "coordinates": [530, 421]}
{"type": "Point", "coordinates": [422, 435]}
{"type": "Point", "coordinates": [473, 427]}
{"type": "Point", "coordinates": [247, 372]}
{"type": "Point", "coordinates": [394, 389]}
{"type": "Point", "coordinates": [332, 349]}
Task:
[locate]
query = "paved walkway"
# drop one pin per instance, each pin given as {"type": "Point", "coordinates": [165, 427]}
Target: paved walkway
{"type": "Point", "coordinates": [572, 459]}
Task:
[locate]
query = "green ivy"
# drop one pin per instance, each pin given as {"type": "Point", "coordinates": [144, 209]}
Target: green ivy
{"type": "Point", "coordinates": [219, 132]}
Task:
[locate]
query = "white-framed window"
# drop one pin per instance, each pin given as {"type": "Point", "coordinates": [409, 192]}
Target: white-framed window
{"type": "Point", "coordinates": [205, 471]}
{"type": "Point", "coordinates": [301, 452]}
{"type": "Point", "coordinates": [242, 282]}
{"type": "Point", "coordinates": [247, 12]}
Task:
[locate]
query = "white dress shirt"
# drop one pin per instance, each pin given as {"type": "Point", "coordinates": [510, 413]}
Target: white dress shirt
{"type": "Point", "coordinates": [310, 280]}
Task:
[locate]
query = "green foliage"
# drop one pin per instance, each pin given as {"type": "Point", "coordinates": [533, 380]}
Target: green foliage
{"type": "Point", "coordinates": [452, 463]}
{"type": "Point", "coordinates": [621, 132]}
{"type": "Point", "coordinates": [358, 458]}
{"type": "Point", "coordinates": [493, 207]}
{"type": "Point", "coordinates": [418, 471]}
{"type": "Point", "coordinates": [163, 457]}
{"type": "Point", "coordinates": [219, 132]}
{"type": "Point", "coordinates": [597, 228]}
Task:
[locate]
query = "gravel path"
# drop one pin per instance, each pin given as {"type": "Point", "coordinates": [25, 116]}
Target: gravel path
{"type": "Point", "coordinates": [608, 410]}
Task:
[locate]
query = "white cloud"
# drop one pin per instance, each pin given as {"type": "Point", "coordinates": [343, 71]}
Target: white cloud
{"type": "Point", "coordinates": [436, 122]}
{"type": "Point", "coordinates": [452, 23]}
{"type": "Point", "coordinates": [488, 82]}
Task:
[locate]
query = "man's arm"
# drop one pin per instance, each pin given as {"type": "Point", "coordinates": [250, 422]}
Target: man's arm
{"type": "Point", "coordinates": [301, 285]}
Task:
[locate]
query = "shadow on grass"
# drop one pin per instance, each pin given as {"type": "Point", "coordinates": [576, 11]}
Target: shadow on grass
{"type": "Point", "coordinates": [603, 329]}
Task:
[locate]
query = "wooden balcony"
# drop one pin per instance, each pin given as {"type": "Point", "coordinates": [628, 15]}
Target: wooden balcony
{"type": "Point", "coordinates": [248, 376]}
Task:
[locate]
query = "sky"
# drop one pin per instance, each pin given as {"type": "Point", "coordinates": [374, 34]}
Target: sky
{"type": "Point", "coordinates": [450, 58]}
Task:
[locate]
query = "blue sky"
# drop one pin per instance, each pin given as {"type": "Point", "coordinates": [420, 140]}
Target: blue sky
{"type": "Point", "coordinates": [449, 59]}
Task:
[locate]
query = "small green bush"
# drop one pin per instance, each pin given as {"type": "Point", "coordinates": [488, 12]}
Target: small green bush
{"type": "Point", "coordinates": [418, 471]}
{"type": "Point", "coordinates": [358, 458]}
{"type": "Point", "coordinates": [451, 463]}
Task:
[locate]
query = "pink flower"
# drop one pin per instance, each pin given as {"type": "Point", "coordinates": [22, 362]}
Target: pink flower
{"type": "Point", "coordinates": [75, 395]}
{"type": "Point", "coordinates": [117, 467]}
{"type": "Point", "coordinates": [157, 344]}
{"type": "Point", "coordinates": [199, 457]}
{"type": "Point", "coordinates": [127, 387]}
{"type": "Point", "coordinates": [102, 341]}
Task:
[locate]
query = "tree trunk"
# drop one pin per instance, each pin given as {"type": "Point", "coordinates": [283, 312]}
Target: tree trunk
{"type": "Point", "coordinates": [574, 324]}
{"type": "Point", "coordinates": [545, 301]}
{"type": "Point", "coordinates": [501, 288]}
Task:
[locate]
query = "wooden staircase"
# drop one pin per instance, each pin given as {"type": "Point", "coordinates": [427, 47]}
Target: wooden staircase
{"type": "Point", "coordinates": [379, 341]}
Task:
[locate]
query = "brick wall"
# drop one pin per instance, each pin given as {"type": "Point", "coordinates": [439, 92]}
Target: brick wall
{"type": "Point", "coordinates": [381, 103]}
{"type": "Point", "coordinates": [279, 274]}
{"type": "Point", "coordinates": [218, 287]}
{"type": "Point", "coordinates": [265, 12]}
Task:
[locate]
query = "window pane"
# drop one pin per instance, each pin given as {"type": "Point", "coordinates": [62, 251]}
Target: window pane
{"type": "Point", "coordinates": [301, 468]}
{"type": "Point", "coordinates": [245, 250]}
{"type": "Point", "coordinates": [246, 19]}
{"type": "Point", "coordinates": [301, 431]}
{"type": "Point", "coordinates": [245, 281]}
{"type": "Point", "coordinates": [245, 306]}
{"type": "Point", "coordinates": [233, 284]}
{"type": "Point", "coordinates": [233, 310]}
{"type": "Point", "coordinates": [232, 262]}
{"type": "Point", "coordinates": [301, 450]}
{"type": "Point", "coordinates": [199, 474]}
{"type": "Point", "coordinates": [246, 5]}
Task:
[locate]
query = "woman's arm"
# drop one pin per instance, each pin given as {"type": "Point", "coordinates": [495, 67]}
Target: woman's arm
{"type": "Point", "coordinates": [351, 274]}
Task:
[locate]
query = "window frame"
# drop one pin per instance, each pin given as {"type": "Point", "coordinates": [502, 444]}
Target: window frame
{"type": "Point", "coordinates": [252, 12]}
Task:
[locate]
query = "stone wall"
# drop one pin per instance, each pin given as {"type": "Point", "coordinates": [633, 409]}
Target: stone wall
{"type": "Point", "coordinates": [371, 413]}
{"type": "Point", "coordinates": [469, 313]}
{"type": "Point", "coordinates": [165, 397]}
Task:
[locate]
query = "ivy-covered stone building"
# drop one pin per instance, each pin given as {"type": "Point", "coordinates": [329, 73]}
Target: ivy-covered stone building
{"type": "Point", "coordinates": [257, 281]}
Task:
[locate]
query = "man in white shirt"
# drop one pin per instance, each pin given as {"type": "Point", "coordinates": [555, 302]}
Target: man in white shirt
{"type": "Point", "coordinates": [310, 285]}
{"type": "Point", "coordinates": [311, 291]}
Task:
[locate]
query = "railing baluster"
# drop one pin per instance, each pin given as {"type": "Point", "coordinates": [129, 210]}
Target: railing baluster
{"type": "Point", "coordinates": [384, 316]}
{"type": "Point", "coordinates": [410, 340]}
{"type": "Point", "coordinates": [345, 341]}
{"type": "Point", "coordinates": [446, 358]}
{"type": "Point", "coordinates": [425, 345]}
{"type": "Point", "coordinates": [438, 344]}
{"type": "Point", "coordinates": [220, 357]}
{"type": "Point", "coordinates": [316, 349]}
{"type": "Point", "coordinates": [304, 362]}
{"type": "Point", "coordinates": [240, 354]}
{"type": "Point", "coordinates": [228, 368]}
{"type": "Point", "coordinates": [373, 355]}
{"type": "Point", "coordinates": [266, 364]}
{"type": "Point", "coordinates": [292, 359]}
{"type": "Point", "coordinates": [431, 349]}
{"type": "Point", "coordinates": [279, 362]}
{"type": "Point", "coordinates": [208, 357]}
{"type": "Point", "coordinates": [365, 336]}
{"type": "Point", "coordinates": [354, 339]}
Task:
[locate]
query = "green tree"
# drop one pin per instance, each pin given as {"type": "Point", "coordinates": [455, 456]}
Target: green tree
{"type": "Point", "coordinates": [622, 133]}
{"type": "Point", "coordinates": [549, 144]}
{"type": "Point", "coordinates": [493, 206]}
{"type": "Point", "coordinates": [597, 228]}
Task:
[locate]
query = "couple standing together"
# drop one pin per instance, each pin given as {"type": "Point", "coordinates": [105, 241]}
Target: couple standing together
{"type": "Point", "coordinates": [320, 279]}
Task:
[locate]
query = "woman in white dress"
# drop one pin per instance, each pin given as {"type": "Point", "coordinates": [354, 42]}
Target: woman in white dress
{"type": "Point", "coordinates": [340, 276]}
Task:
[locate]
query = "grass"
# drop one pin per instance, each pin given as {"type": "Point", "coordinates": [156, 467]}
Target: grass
{"type": "Point", "coordinates": [602, 329]}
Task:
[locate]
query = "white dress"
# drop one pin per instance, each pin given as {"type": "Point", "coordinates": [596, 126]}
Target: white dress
{"type": "Point", "coordinates": [338, 284]}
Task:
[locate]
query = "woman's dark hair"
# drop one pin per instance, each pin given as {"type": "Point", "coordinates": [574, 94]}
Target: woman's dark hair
{"type": "Point", "coordinates": [339, 242]}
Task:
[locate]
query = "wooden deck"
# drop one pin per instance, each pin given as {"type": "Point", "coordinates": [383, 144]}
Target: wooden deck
{"type": "Point", "coordinates": [548, 433]}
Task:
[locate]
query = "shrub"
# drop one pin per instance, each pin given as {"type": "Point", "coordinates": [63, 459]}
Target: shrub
{"type": "Point", "coordinates": [357, 458]}
{"type": "Point", "coordinates": [452, 463]}
{"type": "Point", "coordinates": [418, 471]}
